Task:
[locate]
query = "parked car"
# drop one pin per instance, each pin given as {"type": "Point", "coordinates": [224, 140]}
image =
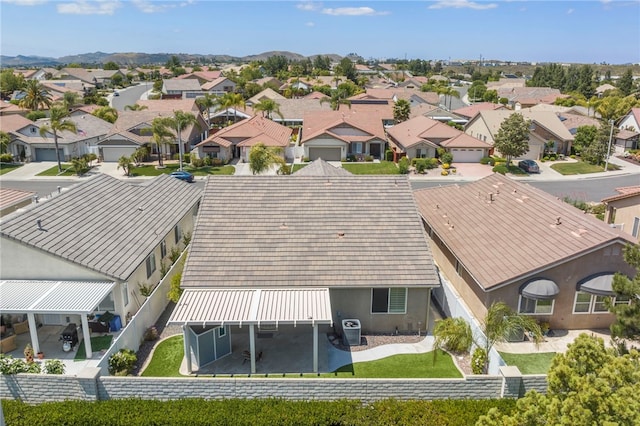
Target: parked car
{"type": "Point", "coordinates": [185, 176]}
{"type": "Point", "coordinates": [529, 166]}
{"type": "Point", "coordinates": [116, 94]}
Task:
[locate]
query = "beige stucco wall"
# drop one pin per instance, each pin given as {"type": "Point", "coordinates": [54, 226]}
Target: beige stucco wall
{"type": "Point", "coordinates": [356, 303]}
{"type": "Point", "coordinates": [325, 142]}
{"type": "Point", "coordinates": [626, 210]}
{"type": "Point", "coordinates": [479, 130]}
{"type": "Point", "coordinates": [565, 275]}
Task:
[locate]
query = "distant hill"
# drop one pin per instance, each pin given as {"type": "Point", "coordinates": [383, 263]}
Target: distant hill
{"type": "Point", "coordinates": [132, 58]}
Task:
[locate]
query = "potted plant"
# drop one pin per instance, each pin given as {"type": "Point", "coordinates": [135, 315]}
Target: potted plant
{"type": "Point", "coordinates": [28, 353]}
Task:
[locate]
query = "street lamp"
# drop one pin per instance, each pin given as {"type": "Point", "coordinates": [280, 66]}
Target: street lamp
{"type": "Point", "coordinates": [606, 163]}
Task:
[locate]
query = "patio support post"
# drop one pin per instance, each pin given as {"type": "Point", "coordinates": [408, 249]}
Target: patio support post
{"type": "Point", "coordinates": [252, 347]}
{"type": "Point", "coordinates": [426, 324]}
{"type": "Point", "coordinates": [187, 346]}
{"type": "Point", "coordinates": [315, 348]}
{"type": "Point", "coordinates": [33, 332]}
{"type": "Point", "coordinates": [86, 334]}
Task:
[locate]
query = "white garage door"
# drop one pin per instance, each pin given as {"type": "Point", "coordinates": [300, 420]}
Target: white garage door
{"type": "Point", "coordinates": [467, 155]}
{"type": "Point", "coordinates": [48, 154]}
{"type": "Point", "coordinates": [327, 154]}
{"type": "Point", "coordinates": [113, 153]}
{"type": "Point", "coordinates": [533, 154]}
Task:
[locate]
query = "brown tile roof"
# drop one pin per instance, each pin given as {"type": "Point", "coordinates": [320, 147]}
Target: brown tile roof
{"type": "Point", "coordinates": [522, 231]}
{"type": "Point", "coordinates": [202, 75]}
{"type": "Point", "coordinates": [626, 134]}
{"type": "Point", "coordinates": [14, 122]}
{"type": "Point", "coordinates": [422, 129]}
{"type": "Point", "coordinates": [326, 122]}
{"type": "Point", "coordinates": [10, 197]}
{"type": "Point", "coordinates": [624, 192]}
{"type": "Point", "coordinates": [471, 110]}
{"type": "Point", "coordinates": [547, 119]}
{"type": "Point", "coordinates": [7, 108]}
{"type": "Point", "coordinates": [304, 231]}
{"type": "Point", "coordinates": [320, 167]}
{"type": "Point", "coordinates": [211, 84]}
{"type": "Point", "coordinates": [465, 141]}
{"type": "Point", "coordinates": [250, 132]}
{"type": "Point", "coordinates": [170, 105]}
{"type": "Point", "coordinates": [181, 85]}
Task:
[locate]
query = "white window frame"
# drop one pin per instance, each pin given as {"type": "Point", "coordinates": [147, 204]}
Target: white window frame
{"type": "Point", "coordinates": [358, 147]}
{"type": "Point", "coordinates": [389, 298]}
{"type": "Point", "coordinates": [125, 294]}
{"type": "Point", "coordinates": [635, 230]}
{"type": "Point", "coordinates": [177, 233]}
{"type": "Point", "coordinates": [575, 300]}
{"type": "Point", "coordinates": [222, 331]}
{"type": "Point", "coordinates": [535, 310]}
{"type": "Point", "coordinates": [107, 304]}
{"type": "Point", "coordinates": [163, 249]}
{"type": "Point", "coordinates": [150, 262]}
{"type": "Point", "coordinates": [594, 301]}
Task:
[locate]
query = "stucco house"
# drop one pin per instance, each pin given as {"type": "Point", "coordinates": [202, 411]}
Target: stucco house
{"type": "Point", "coordinates": [89, 249]}
{"type": "Point", "coordinates": [631, 121]}
{"type": "Point", "coordinates": [219, 86]}
{"type": "Point", "coordinates": [306, 252]}
{"type": "Point", "coordinates": [623, 210]}
{"type": "Point", "coordinates": [181, 88]}
{"type": "Point", "coordinates": [496, 239]}
{"type": "Point", "coordinates": [546, 127]}
{"type": "Point", "coordinates": [420, 137]}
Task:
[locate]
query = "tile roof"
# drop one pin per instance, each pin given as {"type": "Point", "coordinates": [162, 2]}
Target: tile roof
{"type": "Point", "coordinates": [471, 110]}
{"type": "Point", "coordinates": [626, 134]}
{"type": "Point", "coordinates": [10, 197]}
{"type": "Point", "coordinates": [295, 231]}
{"type": "Point", "coordinates": [104, 223]}
{"type": "Point", "coordinates": [88, 126]}
{"type": "Point", "coordinates": [465, 141]}
{"type": "Point", "coordinates": [14, 122]}
{"type": "Point", "coordinates": [522, 231]}
{"type": "Point", "coordinates": [170, 105]}
{"type": "Point", "coordinates": [174, 84]}
{"type": "Point", "coordinates": [251, 131]}
{"type": "Point", "coordinates": [320, 167]}
{"type": "Point", "coordinates": [267, 93]}
{"type": "Point", "coordinates": [202, 75]}
{"type": "Point", "coordinates": [422, 129]}
{"type": "Point", "coordinates": [368, 125]}
{"type": "Point", "coordinates": [547, 119]}
{"type": "Point", "coordinates": [623, 192]}
{"type": "Point", "coordinates": [214, 83]}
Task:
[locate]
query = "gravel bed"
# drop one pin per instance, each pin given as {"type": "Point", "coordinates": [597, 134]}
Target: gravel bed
{"type": "Point", "coordinates": [368, 341]}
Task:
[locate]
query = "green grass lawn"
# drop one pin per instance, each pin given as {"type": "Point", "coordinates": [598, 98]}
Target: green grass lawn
{"type": "Point", "coordinates": [530, 363]}
{"type": "Point", "coordinates": [381, 168]}
{"type": "Point", "coordinates": [97, 344]}
{"type": "Point", "coordinates": [150, 170]}
{"type": "Point", "coordinates": [167, 358]}
{"type": "Point", "coordinates": [168, 355]}
{"type": "Point", "coordinates": [580, 168]}
{"type": "Point", "coordinates": [53, 171]}
{"type": "Point", "coordinates": [297, 167]}
{"type": "Point", "coordinates": [6, 168]}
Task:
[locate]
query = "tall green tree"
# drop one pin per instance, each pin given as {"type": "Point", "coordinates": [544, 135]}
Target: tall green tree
{"type": "Point", "coordinates": [160, 135]}
{"type": "Point", "coordinates": [262, 157]}
{"type": "Point", "coordinates": [268, 107]}
{"type": "Point", "coordinates": [125, 163]}
{"type": "Point", "coordinates": [348, 69]}
{"type": "Point", "coordinates": [36, 96]}
{"type": "Point", "coordinates": [512, 139]}
{"type": "Point", "coordinates": [588, 385]}
{"type": "Point", "coordinates": [10, 82]}
{"type": "Point", "coordinates": [58, 122]}
{"type": "Point", "coordinates": [615, 107]}
{"type": "Point", "coordinates": [401, 110]}
{"type": "Point", "coordinates": [231, 100]}
{"type": "Point", "coordinates": [5, 140]}
{"type": "Point", "coordinates": [205, 103]}
{"type": "Point", "coordinates": [106, 113]}
{"type": "Point", "coordinates": [625, 83]}
{"type": "Point", "coordinates": [626, 326]}
{"type": "Point", "coordinates": [584, 137]}
{"type": "Point", "coordinates": [596, 151]}
{"type": "Point", "coordinates": [337, 98]}
{"type": "Point", "coordinates": [178, 123]}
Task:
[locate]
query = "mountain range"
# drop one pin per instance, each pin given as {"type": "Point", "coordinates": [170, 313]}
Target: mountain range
{"type": "Point", "coordinates": [130, 59]}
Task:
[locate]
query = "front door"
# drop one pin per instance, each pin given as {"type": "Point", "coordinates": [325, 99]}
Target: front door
{"type": "Point", "coordinates": [374, 150]}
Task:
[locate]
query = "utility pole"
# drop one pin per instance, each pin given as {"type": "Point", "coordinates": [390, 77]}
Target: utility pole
{"type": "Point", "coordinates": [606, 163]}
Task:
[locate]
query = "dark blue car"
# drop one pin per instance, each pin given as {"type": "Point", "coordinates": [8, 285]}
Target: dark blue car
{"type": "Point", "coordinates": [185, 176]}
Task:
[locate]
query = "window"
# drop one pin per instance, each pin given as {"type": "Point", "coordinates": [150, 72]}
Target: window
{"type": "Point", "coordinates": [151, 264]}
{"type": "Point", "coordinates": [107, 304]}
{"type": "Point", "coordinates": [177, 233]}
{"type": "Point", "coordinates": [421, 153]}
{"type": "Point", "coordinates": [592, 303]}
{"type": "Point", "coordinates": [583, 303]}
{"type": "Point", "coordinates": [599, 304]}
{"type": "Point", "coordinates": [222, 331]}
{"type": "Point", "coordinates": [125, 293]}
{"type": "Point", "coordinates": [636, 227]}
{"type": "Point", "coordinates": [458, 268]}
{"type": "Point", "coordinates": [533, 306]}
{"type": "Point", "coordinates": [389, 301]}
{"type": "Point", "coordinates": [163, 249]}
{"type": "Point", "coordinates": [621, 300]}
{"type": "Point", "coordinates": [358, 147]}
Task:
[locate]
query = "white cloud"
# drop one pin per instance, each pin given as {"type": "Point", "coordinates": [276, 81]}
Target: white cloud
{"type": "Point", "coordinates": [25, 2]}
{"type": "Point", "coordinates": [310, 24]}
{"type": "Point", "coordinates": [152, 7]}
{"type": "Point", "coordinates": [84, 7]}
{"type": "Point", "coordinates": [309, 6]}
{"type": "Point", "coordinates": [352, 11]}
{"type": "Point", "coordinates": [462, 4]}
{"type": "Point", "coordinates": [570, 11]}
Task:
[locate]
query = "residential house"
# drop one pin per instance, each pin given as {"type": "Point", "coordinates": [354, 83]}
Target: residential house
{"type": "Point", "coordinates": [219, 86]}
{"type": "Point", "coordinates": [181, 88]}
{"type": "Point", "coordinates": [437, 113]}
{"type": "Point", "coordinates": [336, 135]}
{"type": "Point", "coordinates": [89, 249]}
{"type": "Point", "coordinates": [525, 97]}
{"type": "Point", "coordinates": [470, 111]}
{"type": "Point", "coordinates": [320, 167]}
{"type": "Point", "coordinates": [267, 93]}
{"type": "Point", "coordinates": [202, 76]}
{"type": "Point", "coordinates": [303, 252]}
{"type": "Point", "coordinates": [623, 210]}
{"type": "Point", "coordinates": [546, 128]}
{"type": "Point", "coordinates": [420, 137]}
{"type": "Point", "coordinates": [624, 140]}
{"type": "Point", "coordinates": [496, 239]}
{"type": "Point", "coordinates": [98, 77]}
{"type": "Point", "coordinates": [364, 70]}
{"type": "Point", "coordinates": [236, 141]}
{"type": "Point", "coordinates": [14, 199]}
{"type": "Point", "coordinates": [631, 121]}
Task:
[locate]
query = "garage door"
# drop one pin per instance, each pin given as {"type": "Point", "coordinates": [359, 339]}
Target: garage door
{"type": "Point", "coordinates": [113, 153]}
{"type": "Point", "coordinates": [327, 154]}
{"type": "Point", "coordinates": [48, 154]}
{"type": "Point", "coordinates": [466, 155]}
{"type": "Point", "coordinates": [533, 154]}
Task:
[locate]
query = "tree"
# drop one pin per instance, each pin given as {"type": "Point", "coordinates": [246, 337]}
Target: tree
{"type": "Point", "coordinates": [205, 103]}
{"type": "Point", "coordinates": [179, 122]}
{"type": "Point", "coordinates": [111, 66]}
{"type": "Point", "coordinates": [453, 334]}
{"type": "Point", "coordinates": [587, 385]}
{"type": "Point", "coordinates": [337, 98]}
{"type": "Point", "coordinates": [476, 91]}
{"type": "Point", "coordinates": [71, 99]}
{"type": "Point", "coordinates": [512, 139]}
{"type": "Point", "coordinates": [625, 83]}
{"type": "Point", "coordinates": [10, 82]}
{"type": "Point", "coordinates": [448, 92]}
{"type": "Point", "coordinates": [401, 110]}
{"type": "Point", "coordinates": [106, 113]}
{"type": "Point", "coordinates": [261, 158]}
{"type": "Point", "coordinates": [58, 123]}
{"type": "Point", "coordinates": [348, 69]}
{"type": "Point", "coordinates": [135, 107]}
{"type": "Point", "coordinates": [125, 164]}
{"type": "Point", "coordinates": [268, 107]}
{"type": "Point", "coordinates": [79, 165]}
{"type": "Point", "coordinates": [231, 100]}
{"type": "Point", "coordinates": [596, 151]}
{"type": "Point", "coordinates": [160, 135]}
{"type": "Point", "coordinates": [585, 135]}
{"type": "Point", "coordinates": [626, 326]}
{"type": "Point", "coordinates": [614, 107]}
{"type": "Point", "coordinates": [5, 140]}
{"type": "Point", "coordinates": [139, 155]}
{"type": "Point", "coordinates": [35, 96]}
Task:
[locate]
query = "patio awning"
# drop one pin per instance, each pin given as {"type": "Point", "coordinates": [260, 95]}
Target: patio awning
{"type": "Point", "coordinates": [540, 289]}
{"type": "Point", "coordinates": [253, 306]}
{"type": "Point", "coordinates": [52, 297]}
{"type": "Point", "coordinates": [599, 284]}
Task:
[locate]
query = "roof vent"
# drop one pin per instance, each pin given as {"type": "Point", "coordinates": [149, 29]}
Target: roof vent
{"type": "Point", "coordinates": [284, 226]}
{"type": "Point", "coordinates": [39, 222]}
{"type": "Point", "coordinates": [491, 198]}
{"type": "Point", "coordinates": [558, 221]}
{"type": "Point", "coordinates": [340, 234]}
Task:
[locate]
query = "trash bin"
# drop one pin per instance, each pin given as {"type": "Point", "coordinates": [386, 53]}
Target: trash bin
{"type": "Point", "coordinates": [351, 332]}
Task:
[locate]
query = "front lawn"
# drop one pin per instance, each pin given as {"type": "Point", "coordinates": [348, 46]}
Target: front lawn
{"type": "Point", "coordinates": [67, 170]}
{"type": "Point", "coordinates": [167, 358]}
{"type": "Point", "coordinates": [530, 363]}
{"type": "Point", "coordinates": [297, 167]}
{"type": "Point", "coordinates": [580, 168]}
{"type": "Point", "coordinates": [6, 167]}
{"type": "Point", "coordinates": [381, 168]}
{"type": "Point", "coordinates": [150, 170]}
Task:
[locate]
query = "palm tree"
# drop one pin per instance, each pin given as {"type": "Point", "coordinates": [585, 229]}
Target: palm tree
{"type": "Point", "coordinates": [126, 164]}
{"type": "Point", "coordinates": [337, 98]}
{"type": "Point", "coordinates": [58, 123]}
{"type": "Point", "coordinates": [5, 139]}
{"type": "Point", "coordinates": [205, 103]}
{"type": "Point", "coordinates": [449, 92]}
{"type": "Point", "coordinates": [262, 157]}
{"type": "Point", "coordinates": [135, 107]}
{"type": "Point", "coordinates": [36, 96]}
{"type": "Point", "coordinates": [401, 110]}
{"type": "Point", "coordinates": [161, 135]}
{"type": "Point", "coordinates": [268, 106]}
{"type": "Point", "coordinates": [234, 101]}
{"type": "Point", "coordinates": [179, 122]}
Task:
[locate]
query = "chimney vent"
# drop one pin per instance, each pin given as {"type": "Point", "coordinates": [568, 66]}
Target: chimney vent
{"type": "Point", "coordinates": [558, 220]}
{"type": "Point", "coordinates": [39, 222]}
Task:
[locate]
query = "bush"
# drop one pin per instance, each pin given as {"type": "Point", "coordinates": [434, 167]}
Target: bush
{"type": "Point", "coordinates": [446, 158]}
{"type": "Point", "coordinates": [36, 115]}
{"type": "Point", "coordinates": [207, 161]}
{"type": "Point", "coordinates": [53, 366]}
{"type": "Point", "coordinates": [122, 362]}
{"type": "Point", "coordinates": [479, 361]}
{"type": "Point", "coordinates": [485, 160]}
{"type": "Point", "coordinates": [151, 334]}
{"type": "Point", "coordinates": [186, 158]}
{"type": "Point", "coordinates": [6, 158]}
{"type": "Point", "coordinates": [175, 291]}
{"type": "Point", "coordinates": [573, 156]}
{"type": "Point", "coordinates": [174, 254]}
{"type": "Point", "coordinates": [500, 168]}
{"type": "Point", "coordinates": [545, 158]}
{"type": "Point", "coordinates": [217, 162]}
{"type": "Point", "coordinates": [420, 164]}
{"type": "Point", "coordinates": [446, 166]}
{"type": "Point", "coordinates": [403, 165]}
{"type": "Point", "coordinates": [284, 169]}
{"type": "Point", "coordinates": [351, 158]}
{"type": "Point", "coordinates": [197, 162]}
{"type": "Point", "coordinates": [305, 159]}
{"type": "Point", "coordinates": [388, 155]}
{"type": "Point", "coordinates": [444, 173]}
{"type": "Point", "coordinates": [368, 158]}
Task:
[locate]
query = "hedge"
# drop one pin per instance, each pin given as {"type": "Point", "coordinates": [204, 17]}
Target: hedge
{"type": "Point", "coordinates": [135, 412]}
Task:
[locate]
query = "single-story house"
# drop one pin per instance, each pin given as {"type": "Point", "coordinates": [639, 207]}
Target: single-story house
{"type": "Point", "coordinates": [305, 252]}
{"type": "Point", "coordinates": [237, 140]}
{"type": "Point", "coordinates": [14, 199]}
{"type": "Point", "coordinates": [181, 88]}
{"type": "Point", "coordinates": [219, 86]}
{"type": "Point", "coordinates": [631, 121]}
{"type": "Point", "coordinates": [625, 140]}
{"type": "Point", "coordinates": [623, 210]}
{"type": "Point", "coordinates": [89, 249]}
{"type": "Point", "coordinates": [497, 239]}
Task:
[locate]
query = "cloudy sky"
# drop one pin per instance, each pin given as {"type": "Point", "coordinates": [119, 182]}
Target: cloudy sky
{"type": "Point", "coordinates": [544, 31]}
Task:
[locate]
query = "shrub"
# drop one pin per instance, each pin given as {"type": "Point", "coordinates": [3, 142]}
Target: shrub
{"type": "Point", "coordinates": [420, 165]}
{"type": "Point", "coordinates": [197, 162]}
{"type": "Point", "coordinates": [175, 291]}
{"type": "Point", "coordinates": [207, 161]}
{"type": "Point", "coordinates": [351, 158]}
{"type": "Point", "coordinates": [573, 156]}
{"type": "Point", "coordinates": [53, 366]}
{"type": "Point", "coordinates": [446, 166]}
{"type": "Point", "coordinates": [174, 254]}
{"type": "Point", "coordinates": [403, 165]}
{"type": "Point", "coordinates": [151, 334]}
{"type": "Point", "coordinates": [479, 361]}
{"type": "Point", "coordinates": [147, 289]}
{"type": "Point", "coordinates": [186, 158]}
{"type": "Point", "coordinates": [552, 158]}
{"type": "Point", "coordinates": [216, 162]}
{"type": "Point", "coordinates": [305, 159]}
{"type": "Point", "coordinates": [453, 334]}
{"type": "Point", "coordinates": [447, 158]}
{"type": "Point", "coordinates": [500, 168]}
{"type": "Point", "coordinates": [36, 115]}
{"type": "Point", "coordinates": [122, 362]}
{"type": "Point", "coordinates": [444, 173]}
{"type": "Point", "coordinates": [6, 158]}
{"type": "Point", "coordinates": [388, 155]}
{"type": "Point", "coordinates": [545, 158]}
{"type": "Point", "coordinates": [368, 158]}
{"type": "Point", "coordinates": [186, 238]}
{"type": "Point", "coordinates": [485, 160]}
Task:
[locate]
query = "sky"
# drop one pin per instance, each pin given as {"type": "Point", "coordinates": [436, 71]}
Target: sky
{"type": "Point", "coordinates": [594, 31]}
